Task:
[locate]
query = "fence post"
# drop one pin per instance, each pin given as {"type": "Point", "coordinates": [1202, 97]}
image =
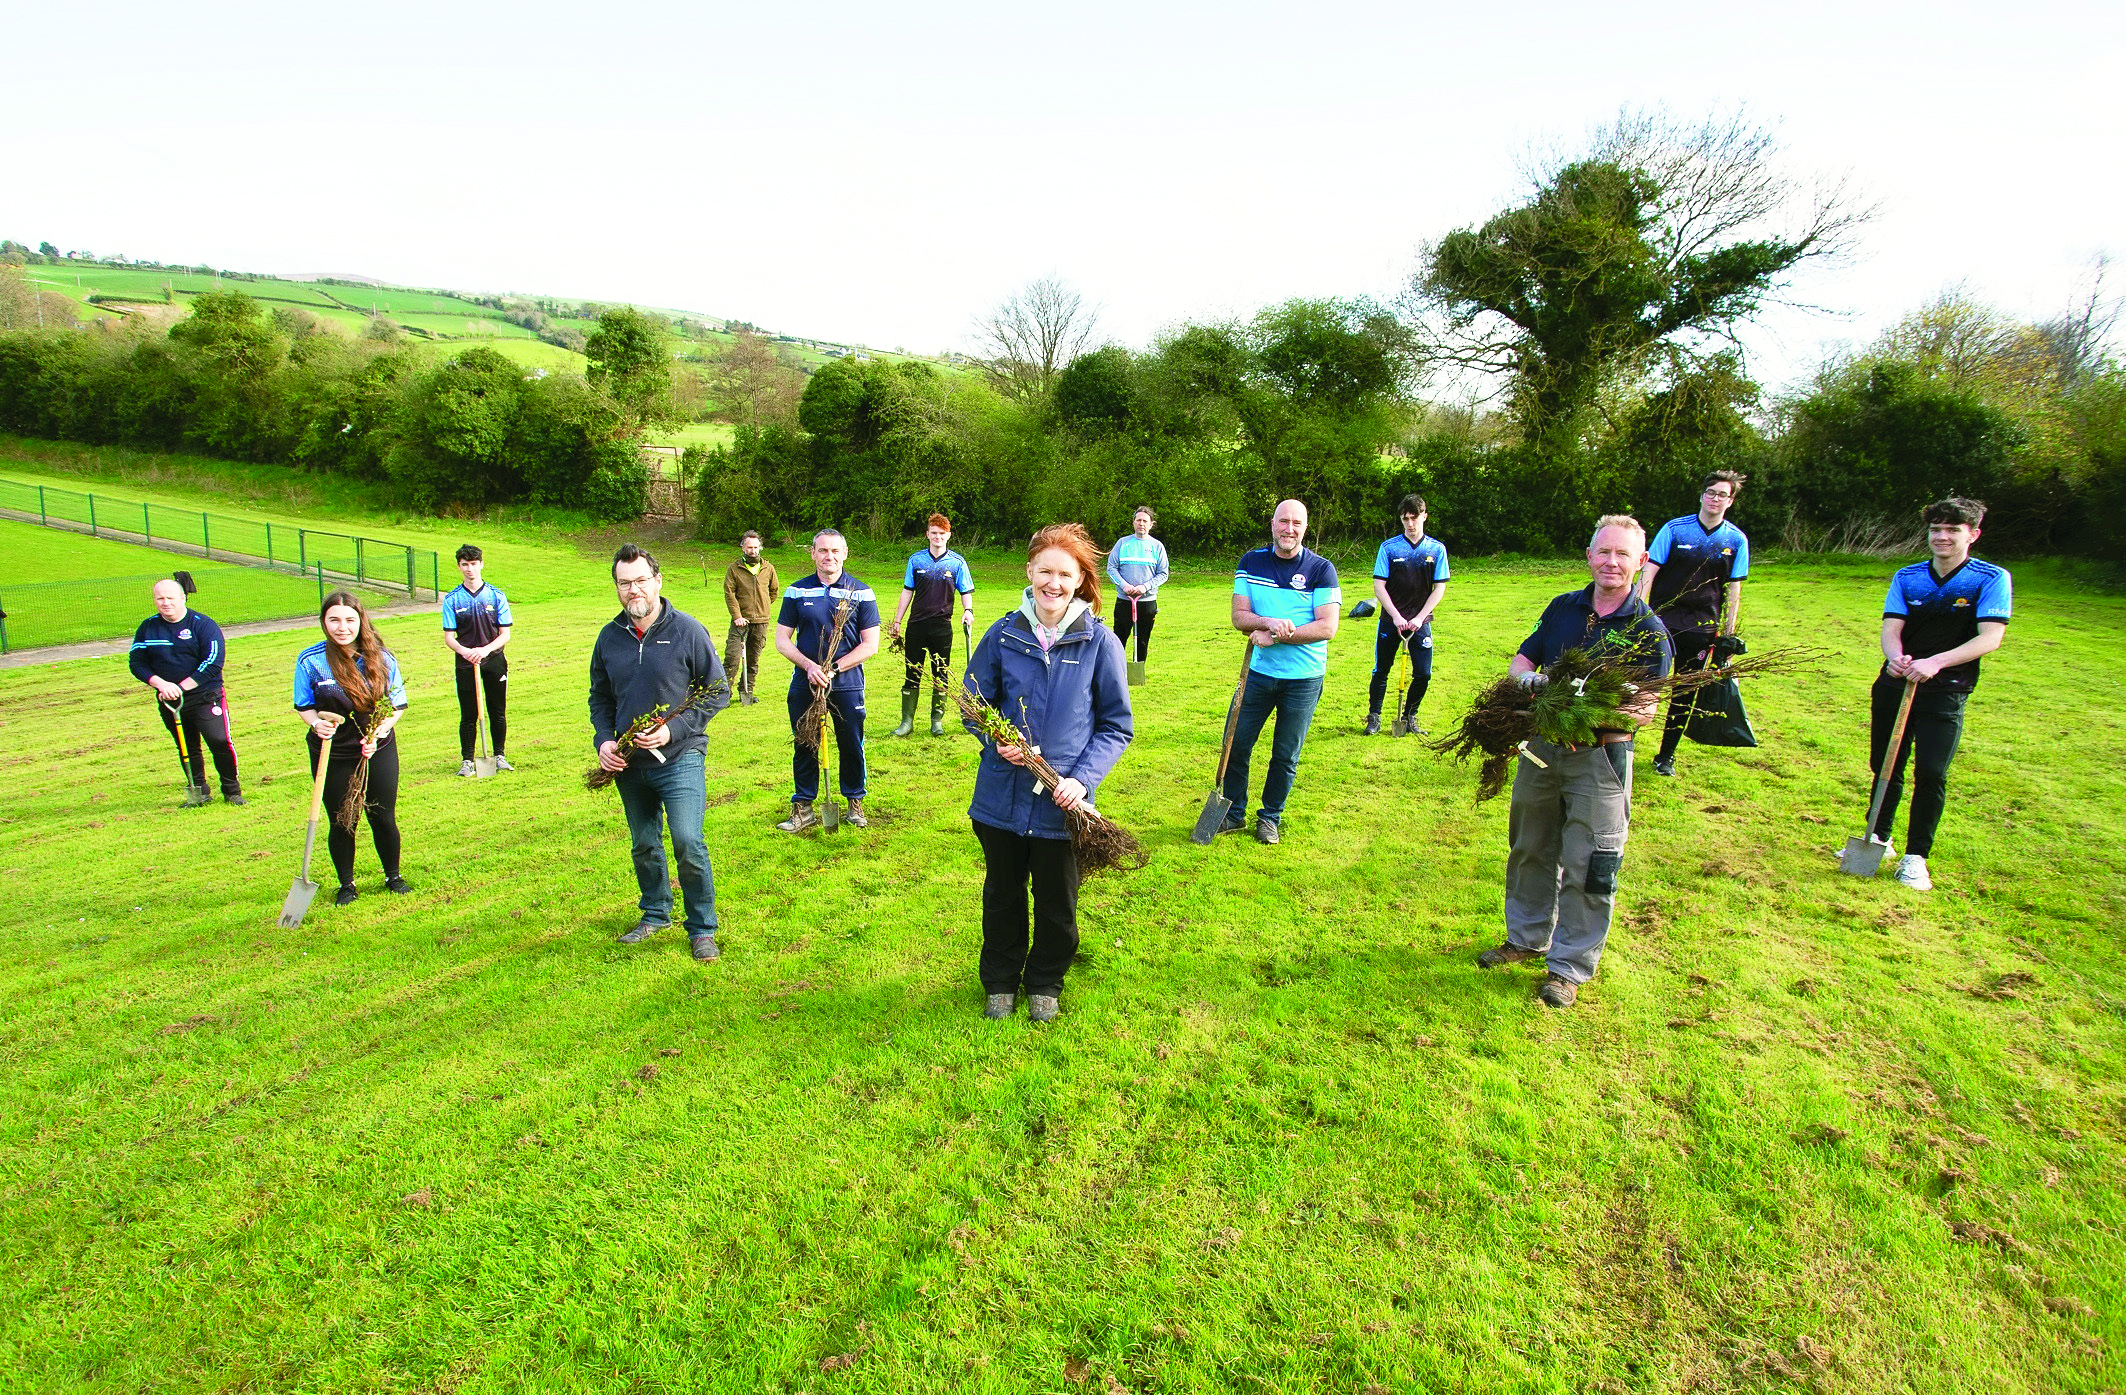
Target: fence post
{"type": "Point", "coordinates": [359, 574]}
{"type": "Point", "coordinates": [3, 629]}
{"type": "Point", "coordinates": [321, 585]}
{"type": "Point", "coordinates": [41, 519]}
{"type": "Point", "coordinates": [92, 516]}
{"type": "Point", "coordinates": [205, 546]}
{"type": "Point", "coordinates": [302, 551]}
{"type": "Point", "coordinates": [145, 535]}
{"type": "Point", "coordinates": [409, 573]}
{"type": "Point", "coordinates": [269, 546]}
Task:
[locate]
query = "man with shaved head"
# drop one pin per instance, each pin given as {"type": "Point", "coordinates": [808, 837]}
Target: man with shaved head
{"type": "Point", "coordinates": [179, 654]}
{"type": "Point", "coordinates": [1286, 601]}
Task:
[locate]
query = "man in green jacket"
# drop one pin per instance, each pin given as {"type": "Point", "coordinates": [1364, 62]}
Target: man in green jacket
{"type": "Point", "coordinates": [749, 590]}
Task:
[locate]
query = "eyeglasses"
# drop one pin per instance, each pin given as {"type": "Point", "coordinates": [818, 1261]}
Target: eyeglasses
{"type": "Point", "coordinates": [1717, 494]}
{"type": "Point", "coordinates": [642, 584]}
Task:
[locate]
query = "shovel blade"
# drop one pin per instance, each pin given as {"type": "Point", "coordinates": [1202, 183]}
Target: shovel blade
{"type": "Point", "coordinates": [832, 816]}
{"type": "Point", "coordinates": [1207, 823]}
{"type": "Point", "coordinates": [1136, 673]}
{"type": "Point", "coordinates": [300, 894]}
{"type": "Point", "coordinates": [1863, 856]}
{"type": "Point", "coordinates": [484, 767]}
{"type": "Point", "coordinates": [1399, 727]}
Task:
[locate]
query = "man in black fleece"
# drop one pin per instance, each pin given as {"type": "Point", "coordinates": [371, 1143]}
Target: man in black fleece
{"type": "Point", "coordinates": [179, 653]}
{"type": "Point", "coordinates": [648, 658]}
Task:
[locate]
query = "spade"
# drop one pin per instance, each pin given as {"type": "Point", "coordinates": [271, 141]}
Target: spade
{"type": "Point", "coordinates": [1863, 855]}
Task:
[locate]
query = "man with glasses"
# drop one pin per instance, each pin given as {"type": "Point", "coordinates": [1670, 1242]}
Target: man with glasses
{"type": "Point", "coordinates": [652, 657]}
{"type": "Point", "coordinates": [1693, 580]}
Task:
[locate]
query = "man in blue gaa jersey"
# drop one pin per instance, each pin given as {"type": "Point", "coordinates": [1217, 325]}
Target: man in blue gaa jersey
{"type": "Point", "coordinates": [1693, 580]}
{"type": "Point", "coordinates": [1286, 600]}
{"type": "Point", "coordinates": [1941, 617]}
{"type": "Point", "coordinates": [179, 652]}
{"type": "Point", "coordinates": [476, 626]}
{"type": "Point", "coordinates": [1409, 578]}
{"type": "Point", "coordinates": [934, 578]}
{"type": "Point", "coordinates": [830, 657]}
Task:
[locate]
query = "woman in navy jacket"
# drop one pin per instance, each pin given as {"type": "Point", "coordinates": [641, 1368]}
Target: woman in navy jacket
{"type": "Point", "coordinates": [1056, 673]}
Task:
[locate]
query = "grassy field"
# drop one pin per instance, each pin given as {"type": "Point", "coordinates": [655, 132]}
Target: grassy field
{"type": "Point", "coordinates": [59, 587]}
{"type": "Point", "coordinates": [1803, 1132]}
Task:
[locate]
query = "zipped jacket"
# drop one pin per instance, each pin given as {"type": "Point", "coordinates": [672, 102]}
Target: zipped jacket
{"type": "Point", "coordinates": [750, 589]}
{"type": "Point", "coordinates": [1076, 709]}
{"type": "Point", "coordinates": [631, 676]}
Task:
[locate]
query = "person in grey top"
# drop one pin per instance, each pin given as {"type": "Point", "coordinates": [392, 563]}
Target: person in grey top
{"type": "Point", "coordinates": [1137, 565]}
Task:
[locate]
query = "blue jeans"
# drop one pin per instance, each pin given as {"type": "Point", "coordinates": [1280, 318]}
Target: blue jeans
{"type": "Point", "coordinates": [1293, 700]}
{"type": "Point", "coordinates": [673, 793]}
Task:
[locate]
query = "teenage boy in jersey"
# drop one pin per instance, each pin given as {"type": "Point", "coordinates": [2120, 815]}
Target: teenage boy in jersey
{"type": "Point", "coordinates": [1942, 616]}
{"type": "Point", "coordinates": [1286, 601]}
{"type": "Point", "coordinates": [750, 587]}
{"type": "Point", "coordinates": [650, 656]}
{"type": "Point", "coordinates": [178, 652]}
{"type": "Point", "coordinates": [934, 575]}
{"type": "Point", "coordinates": [1571, 813]}
{"type": "Point", "coordinates": [476, 626]}
{"type": "Point", "coordinates": [1409, 577]}
{"type": "Point", "coordinates": [808, 610]}
{"type": "Point", "coordinates": [1693, 580]}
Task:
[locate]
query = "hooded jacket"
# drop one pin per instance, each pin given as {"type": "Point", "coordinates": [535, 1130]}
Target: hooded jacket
{"type": "Point", "coordinates": [631, 676]}
{"type": "Point", "coordinates": [1076, 709]}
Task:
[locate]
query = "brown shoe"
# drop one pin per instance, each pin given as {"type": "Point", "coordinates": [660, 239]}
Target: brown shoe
{"type": "Point", "coordinates": [801, 817]}
{"type": "Point", "coordinates": [1042, 1007]}
{"type": "Point", "coordinates": [1507, 953]}
{"type": "Point", "coordinates": [1557, 991]}
{"type": "Point", "coordinates": [855, 816]}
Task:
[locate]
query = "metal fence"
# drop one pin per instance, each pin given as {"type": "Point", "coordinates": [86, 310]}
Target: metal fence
{"type": "Point", "coordinates": [37, 614]}
{"type": "Point", "coordinates": [333, 557]}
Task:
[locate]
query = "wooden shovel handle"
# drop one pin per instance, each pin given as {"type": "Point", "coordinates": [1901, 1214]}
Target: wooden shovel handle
{"type": "Point", "coordinates": [317, 801]}
{"type": "Point", "coordinates": [1889, 754]}
{"type": "Point", "coordinates": [1232, 711]}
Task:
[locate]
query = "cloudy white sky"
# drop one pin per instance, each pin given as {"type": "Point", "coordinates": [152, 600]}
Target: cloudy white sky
{"type": "Point", "coordinates": [884, 173]}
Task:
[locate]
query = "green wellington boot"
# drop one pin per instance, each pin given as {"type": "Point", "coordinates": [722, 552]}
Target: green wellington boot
{"type": "Point", "coordinates": [937, 713]}
{"type": "Point", "coordinates": [908, 701]}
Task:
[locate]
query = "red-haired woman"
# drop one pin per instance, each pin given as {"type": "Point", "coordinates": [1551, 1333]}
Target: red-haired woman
{"type": "Point", "coordinates": [340, 683]}
{"type": "Point", "coordinates": [1056, 672]}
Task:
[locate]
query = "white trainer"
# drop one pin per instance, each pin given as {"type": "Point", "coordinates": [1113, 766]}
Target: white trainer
{"type": "Point", "coordinates": [1912, 872]}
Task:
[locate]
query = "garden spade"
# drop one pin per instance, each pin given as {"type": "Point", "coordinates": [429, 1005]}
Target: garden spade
{"type": "Point", "coordinates": [1217, 806]}
{"type": "Point", "coordinates": [830, 815]}
{"type": "Point", "coordinates": [484, 765]}
{"type": "Point", "coordinates": [304, 891]}
{"type": "Point", "coordinates": [177, 734]}
{"type": "Point", "coordinates": [1134, 673]}
{"type": "Point", "coordinates": [1863, 855]}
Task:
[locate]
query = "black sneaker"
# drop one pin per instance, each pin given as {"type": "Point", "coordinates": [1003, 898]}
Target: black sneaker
{"type": "Point", "coordinates": [396, 885]}
{"type": "Point", "coordinates": [704, 947]}
{"type": "Point", "coordinates": [642, 931]}
{"type": "Point", "coordinates": [1266, 831]}
{"type": "Point", "coordinates": [1372, 724]}
{"type": "Point", "coordinates": [1232, 825]}
{"type": "Point", "coordinates": [1665, 765]}
{"type": "Point", "coordinates": [237, 799]}
{"type": "Point", "coordinates": [346, 897]}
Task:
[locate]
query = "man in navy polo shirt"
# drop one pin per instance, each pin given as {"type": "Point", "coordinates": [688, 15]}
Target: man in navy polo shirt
{"type": "Point", "coordinates": [1572, 804]}
{"type": "Point", "coordinates": [837, 664]}
{"type": "Point", "coordinates": [1693, 580]}
{"type": "Point", "coordinates": [475, 627]}
{"type": "Point", "coordinates": [1409, 578]}
{"type": "Point", "coordinates": [1942, 616]}
{"type": "Point", "coordinates": [179, 652]}
{"type": "Point", "coordinates": [1286, 601]}
{"type": "Point", "coordinates": [934, 577]}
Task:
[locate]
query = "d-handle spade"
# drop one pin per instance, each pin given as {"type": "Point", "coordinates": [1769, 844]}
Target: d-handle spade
{"type": "Point", "coordinates": [304, 891]}
{"type": "Point", "coordinates": [484, 765]}
{"type": "Point", "coordinates": [177, 734]}
{"type": "Point", "coordinates": [1217, 806]}
{"type": "Point", "coordinates": [1863, 855]}
{"type": "Point", "coordinates": [830, 814]}
{"type": "Point", "coordinates": [1133, 673]}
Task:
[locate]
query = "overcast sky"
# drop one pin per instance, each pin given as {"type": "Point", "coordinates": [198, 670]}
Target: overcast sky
{"type": "Point", "coordinates": [885, 173]}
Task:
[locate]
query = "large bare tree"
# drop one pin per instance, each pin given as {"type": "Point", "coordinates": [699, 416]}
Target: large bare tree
{"type": "Point", "coordinates": [1030, 338]}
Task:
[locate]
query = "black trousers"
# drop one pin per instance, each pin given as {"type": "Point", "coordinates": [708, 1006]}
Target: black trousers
{"type": "Point", "coordinates": [494, 684]}
{"type": "Point", "coordinates": [1694, 650]}
{"type": "Point", "coordinates": [1011, 860]}
{"type": "Point", "coordinates": [205, 718]}
{"type": "Point", "coordinates": [380, 807]}
{"type": "Point", "coordinates": [1932, 733]}
{"type": "Point", "coordinates": [1386, 641]}
{"type": "Point", "coordinates": [845, 713]}
{"type": "Point", "coordinates": [1142, 621]}
{"type": "Point", "coordinates": [921, 639]}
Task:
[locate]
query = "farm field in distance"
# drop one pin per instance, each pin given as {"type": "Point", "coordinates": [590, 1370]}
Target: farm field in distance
{"type": "Point", "coordinates": [1802, 1132]}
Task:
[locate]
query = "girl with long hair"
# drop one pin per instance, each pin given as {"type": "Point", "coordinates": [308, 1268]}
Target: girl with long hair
{"type": "Point", "coordinates": [341, 685]}
{"type": "Point", "coordinates": [1057, 673]}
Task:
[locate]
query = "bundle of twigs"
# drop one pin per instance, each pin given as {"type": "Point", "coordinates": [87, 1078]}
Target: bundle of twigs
{"type": "Point", "coordinates": [350, 811]}
{"type": "Point", "coordinates": [1099, 843]}
{"type": "Point", "coordinates": [698, 697]}
{"type": "Point", "coordinates": [1589, 690]}
{"type": "Point", "coordinates": [813, 725]}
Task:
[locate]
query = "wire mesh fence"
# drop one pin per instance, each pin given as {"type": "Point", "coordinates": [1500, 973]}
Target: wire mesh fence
{"type": "Point", "coordinates": [346, 558]}
{"type": "Point", "coordinates": [35, 614]}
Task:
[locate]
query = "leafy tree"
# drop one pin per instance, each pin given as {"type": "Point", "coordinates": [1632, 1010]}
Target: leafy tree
{"type": "Point", "coordinates": [1887, 441]}
{"type": "Point", "coordinates": [630, 357]}
{"type": "Point", "coordinates": [452, 432]}
{"type": "Point", "coordinates": [753, 383]}
{"type": "Point", "coordinates": [230, 353]}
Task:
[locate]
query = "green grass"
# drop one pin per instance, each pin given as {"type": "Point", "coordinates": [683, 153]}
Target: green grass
{"type": "Point", "coordinates": [1286, 1136]}
{"type": "Point", "coordinates": [59, 587]}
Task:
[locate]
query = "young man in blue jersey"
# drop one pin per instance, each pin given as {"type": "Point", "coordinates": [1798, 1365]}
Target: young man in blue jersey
{"type": "Point", "coordinates": [475, 627]}
{"type": "Point", "coordinates": [1286, 601]}
{"type": "Point", "coordinates": [832, 661]}
{"type": "Point", "coordinates": [179, 653]}
{"type": "Point", "coordinates": [1572, 804]}
{"type": "Point", "coordinates": [1692, 578]}
{"type": "Point", "coordinates": [935, 575]}
{"type": "Point", "coordinates": [1409, 578]}
{"type": "Point", "coordinates": [1941, 617]}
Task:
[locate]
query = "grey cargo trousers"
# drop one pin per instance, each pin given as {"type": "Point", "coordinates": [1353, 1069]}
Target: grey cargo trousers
{"type": "Point", "coordinates": [1566, 833]}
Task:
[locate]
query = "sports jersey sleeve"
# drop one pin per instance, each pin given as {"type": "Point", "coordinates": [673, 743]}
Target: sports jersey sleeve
{"type": "Point", "coordinates": [1240, 578]}
{"type": "Point", "coordinates": [1894, 603]}
{"type": "Point", "coordinates": [450, 613]}
{"type": "Point", "coordinates": [1380, 561]}
{"type": "Point", "coordinates": [305, 684]}
{"type": "Point", "coordinates": [1441, 573]}
{"type": "Point", "coordinates": [1996, 599]}
{"type": "Point", "coordinates": [791, 613]}
{"type": "Point", "coordinates": [908, 572]}
{"type": "Point", "coordinates": [1532, 647]}
{"type": "Point", "coordinates": [137, 657]}
{"type": "Point", "coordinates": [963, 579]}
{"type": "Point", "coordinates": [1114, 564]}
{"type": "Point", "coordinates": [1326, 589]}
{"type": "Point", "coordinates": [1741, 569]}
{"type": "Point", "coordinates": [501, 609]}
{"type": "Point", "coordinates": [866, 610]}
{"type": "Point", "coordinates": [1657, 551]}
{"type": "Point", "coordinates": [207, 674]}
{"type": "Point", "coordinates": [395, 685]}
{"type": "Point", "coordinates": [1161, 569]}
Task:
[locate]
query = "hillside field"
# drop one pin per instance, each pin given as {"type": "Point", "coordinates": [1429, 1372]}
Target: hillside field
{"type": "Point", "coordinates": [1802, 1132]}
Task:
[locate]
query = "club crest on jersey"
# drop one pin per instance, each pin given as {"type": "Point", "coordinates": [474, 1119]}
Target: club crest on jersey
{"type": "Point", "coordinates": [185, 633]}
{"type": "Point", "coordinates": [1960, 601]}
{"type": "Point", "coordinates": [1299, 583]}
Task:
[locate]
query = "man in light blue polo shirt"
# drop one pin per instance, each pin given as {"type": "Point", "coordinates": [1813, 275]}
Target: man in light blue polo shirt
{"type": "Point", "coordinates": [1286, 601]}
